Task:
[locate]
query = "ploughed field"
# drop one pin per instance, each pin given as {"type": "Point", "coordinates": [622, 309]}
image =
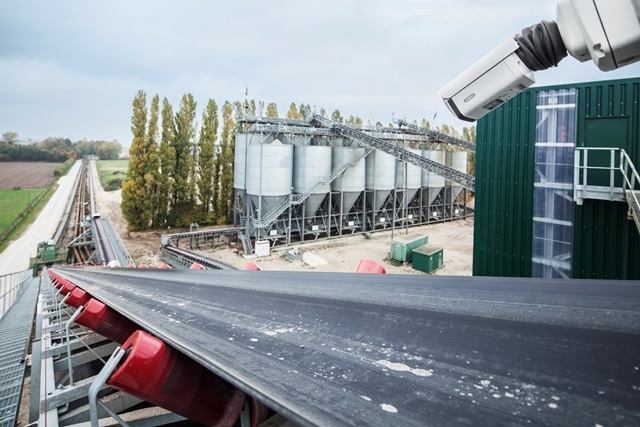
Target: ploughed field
{"type": "Point", "coordinates": [26, 174]}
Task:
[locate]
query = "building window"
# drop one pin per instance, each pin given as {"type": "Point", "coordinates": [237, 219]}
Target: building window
{"type": "Point", "coordinates": [553, 184]}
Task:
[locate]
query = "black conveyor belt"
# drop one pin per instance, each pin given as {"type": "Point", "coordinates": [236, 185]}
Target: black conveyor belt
{"type": "Point", "coordinates": [390, 350]}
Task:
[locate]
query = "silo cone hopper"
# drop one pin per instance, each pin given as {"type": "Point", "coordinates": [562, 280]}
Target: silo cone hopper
{"type": "Point", "coordinates": [407, 196]}
{"type": "Point", "coordinates": [268, 203]}
{"type": "Point", "coordinates": [312, 204]}
{"type": "Point", "coordinates": [349, 199]}
{"type": "Point", "coordinates": [381, 197]}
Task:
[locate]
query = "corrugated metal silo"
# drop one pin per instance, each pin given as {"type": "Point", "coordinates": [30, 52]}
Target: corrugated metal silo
{"type": "Point", "coordinates": [413, 176]}
{"type": "Point", "coordinates": [430, 180]}
{"type": "Point", "coordinates": [458, 161]}
{"type": "Point", "coordinates": [269, 170]}
{"type": "Point", "coordinates": [352, 182]}
{"type": "Point", "coordinates": [311, 164]}
{"type": "Point", "coordinates": [380, 177]}
{"type": "Point", "coordinates": [240, 161]}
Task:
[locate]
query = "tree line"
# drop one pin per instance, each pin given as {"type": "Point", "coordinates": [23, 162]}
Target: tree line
{"type": "Point", "coordinates": [54, 149]}
{"type": "Point", "coordinates": [181, 169]}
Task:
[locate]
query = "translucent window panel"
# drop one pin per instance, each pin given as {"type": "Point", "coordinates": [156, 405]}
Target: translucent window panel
{"type": "Point", "coordinates": [553, 184]}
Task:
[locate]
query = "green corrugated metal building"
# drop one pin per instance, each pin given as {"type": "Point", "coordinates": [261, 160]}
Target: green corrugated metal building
{"type": "Point", "coordinates": [527, 223]}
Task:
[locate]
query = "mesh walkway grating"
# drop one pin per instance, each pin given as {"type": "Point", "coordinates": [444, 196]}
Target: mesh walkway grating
{"type": "Point", "coordinates": [15, 328]}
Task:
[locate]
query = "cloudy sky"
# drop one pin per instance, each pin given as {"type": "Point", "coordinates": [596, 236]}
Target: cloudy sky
{"type": "Point", "coordinates": [71, 68]}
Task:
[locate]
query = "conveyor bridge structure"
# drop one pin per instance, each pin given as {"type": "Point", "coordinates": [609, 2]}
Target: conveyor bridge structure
{"type": "Point", "coordinates": [181, 258]}
{"type": "Point", "coordinates": [460, 178]}
{"type": "Point", "coordinates": [436, 135]}
{"type": "Point", "coordinates": [335, 349]}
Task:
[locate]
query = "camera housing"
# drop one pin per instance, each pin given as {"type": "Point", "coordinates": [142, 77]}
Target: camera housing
{"type": "Point", "coordinates": [494, 79]}
{"type": "Point", "coordinates": [604, 31]}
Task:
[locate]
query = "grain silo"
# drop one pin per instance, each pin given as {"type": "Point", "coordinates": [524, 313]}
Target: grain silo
{"type": "Point", "coordinates": [380, 177]}
{"type": "Point", "coordinates": [311, 166]}
{"type": "Point", "coordinates": [456, 160]}
{"type": "Point", "coordinates": [408, 179]}
{"type": "Point", "coordinates": [269, 170]}
{"type": "Point", "coordinates": [433, 182]}
{"type": "Point", "coordinates": [352, 182]}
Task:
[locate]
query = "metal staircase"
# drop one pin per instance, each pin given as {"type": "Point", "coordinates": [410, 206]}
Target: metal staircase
{"type": "Point", "coordinates": [296, 199]}
{"type": "Point", "coordinates": [438, 136]}
{"type": "Point", "coordinates": [620, 165]}
{"type": "Point", "coordinates": [460, 178]}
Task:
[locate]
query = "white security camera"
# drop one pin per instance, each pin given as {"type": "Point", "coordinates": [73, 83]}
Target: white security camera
{"type": "Point", "coordinates": [605, 31]}
{"type": "Point", "coordinates": [493, 80]}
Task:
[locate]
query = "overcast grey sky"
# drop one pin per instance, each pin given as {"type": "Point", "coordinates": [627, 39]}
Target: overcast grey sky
{"type": "Point", "coordinates": [71, 68]}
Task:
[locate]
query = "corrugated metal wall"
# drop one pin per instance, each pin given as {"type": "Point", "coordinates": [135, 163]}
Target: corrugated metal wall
{"type": "Point", "coordinates": [606, 243]}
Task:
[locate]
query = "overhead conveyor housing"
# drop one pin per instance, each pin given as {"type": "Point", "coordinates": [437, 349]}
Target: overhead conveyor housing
{"type": "Point", "coordinates": [334, 349]}
{"type": "Point", "coordinates": [460, 178]}
{"type": "Point", "coordinates": [437, 136]}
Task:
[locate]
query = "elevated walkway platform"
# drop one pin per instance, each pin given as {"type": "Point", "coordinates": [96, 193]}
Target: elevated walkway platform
{"type": "Point", "coordinates": [618, 181]}
{"type": "Point", "coordinates": [15, 330]}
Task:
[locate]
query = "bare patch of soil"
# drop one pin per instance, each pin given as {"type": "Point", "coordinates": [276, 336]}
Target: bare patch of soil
{"type": "Point", "coordinates": [340, 254]}
{"type": "Point", "coordinates": [26, 174]}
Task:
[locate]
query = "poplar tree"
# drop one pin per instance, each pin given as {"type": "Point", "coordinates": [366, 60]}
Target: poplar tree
{"type": "Point", "coordinates": [293, 112]}
{"type": "Point", "coordinates": [207, 179]}
{"type": "Point", "coordinates": [305, 111]}
{"type": "Point", "coordinates": [184, 133]}
{"type": "Point", "coordinates": [135, 205]}
{"type": "Point", "coordinates": [166, 157]}
{"type": "Point", "coordinates": [152, 166]}
{"type": "Point", "coordinates": [272, 109]}
{"type": "Point", "coordinates": [224, 202]}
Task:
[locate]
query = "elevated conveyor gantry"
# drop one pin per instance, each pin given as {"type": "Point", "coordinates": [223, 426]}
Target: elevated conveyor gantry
{"type": "Point", "coordinates": [438, 136]}
{"type": "Point", "coordinates": [460, 178]}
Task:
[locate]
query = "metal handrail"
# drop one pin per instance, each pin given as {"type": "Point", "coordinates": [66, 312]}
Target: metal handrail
{"type": "Point", "coordinates": [298, 198]}
{"type": "Point", "coordinates": [11, 287]}
{"type": "Point", "coordinates": [629, 186]}
{"type": "Point", "coordinates": [630, 189]}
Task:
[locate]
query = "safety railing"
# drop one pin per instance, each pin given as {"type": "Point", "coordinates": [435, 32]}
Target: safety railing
{"type": "Point", "coordinates": [631, 187]}
{"type": "Point", "coordinates": [11, 287]}
{"type": "Point", "coordinates": [586, 185]}
{"type": "Point", "coordinates": [620, 178]}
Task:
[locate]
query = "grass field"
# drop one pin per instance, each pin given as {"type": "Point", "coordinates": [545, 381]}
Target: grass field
{"type": "Point", "coordinates": [13, 203]}
{"type": "Point", "coordinates": [111, 173]}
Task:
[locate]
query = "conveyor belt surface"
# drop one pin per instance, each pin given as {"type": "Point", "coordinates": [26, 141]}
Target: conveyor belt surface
{"type": "Point", "coordinates": [382, 350]}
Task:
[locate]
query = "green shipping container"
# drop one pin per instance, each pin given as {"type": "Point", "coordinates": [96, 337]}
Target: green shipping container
{"type": "Point", "coordinates": [402, 247]}
{"type": "Point", "coordinates": [428, 258]}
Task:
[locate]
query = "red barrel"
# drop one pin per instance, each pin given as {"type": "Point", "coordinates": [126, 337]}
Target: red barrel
{"type": "Point", "coordinates": [106, 321]}
{"type": "Point", "coordinates": [163, 376]}
{"type": "Point", "coordinates": [370, 267]}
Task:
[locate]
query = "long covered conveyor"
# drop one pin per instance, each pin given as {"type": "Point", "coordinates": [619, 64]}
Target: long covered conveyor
{"type": "Point", "coordinates": [347, 349]}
